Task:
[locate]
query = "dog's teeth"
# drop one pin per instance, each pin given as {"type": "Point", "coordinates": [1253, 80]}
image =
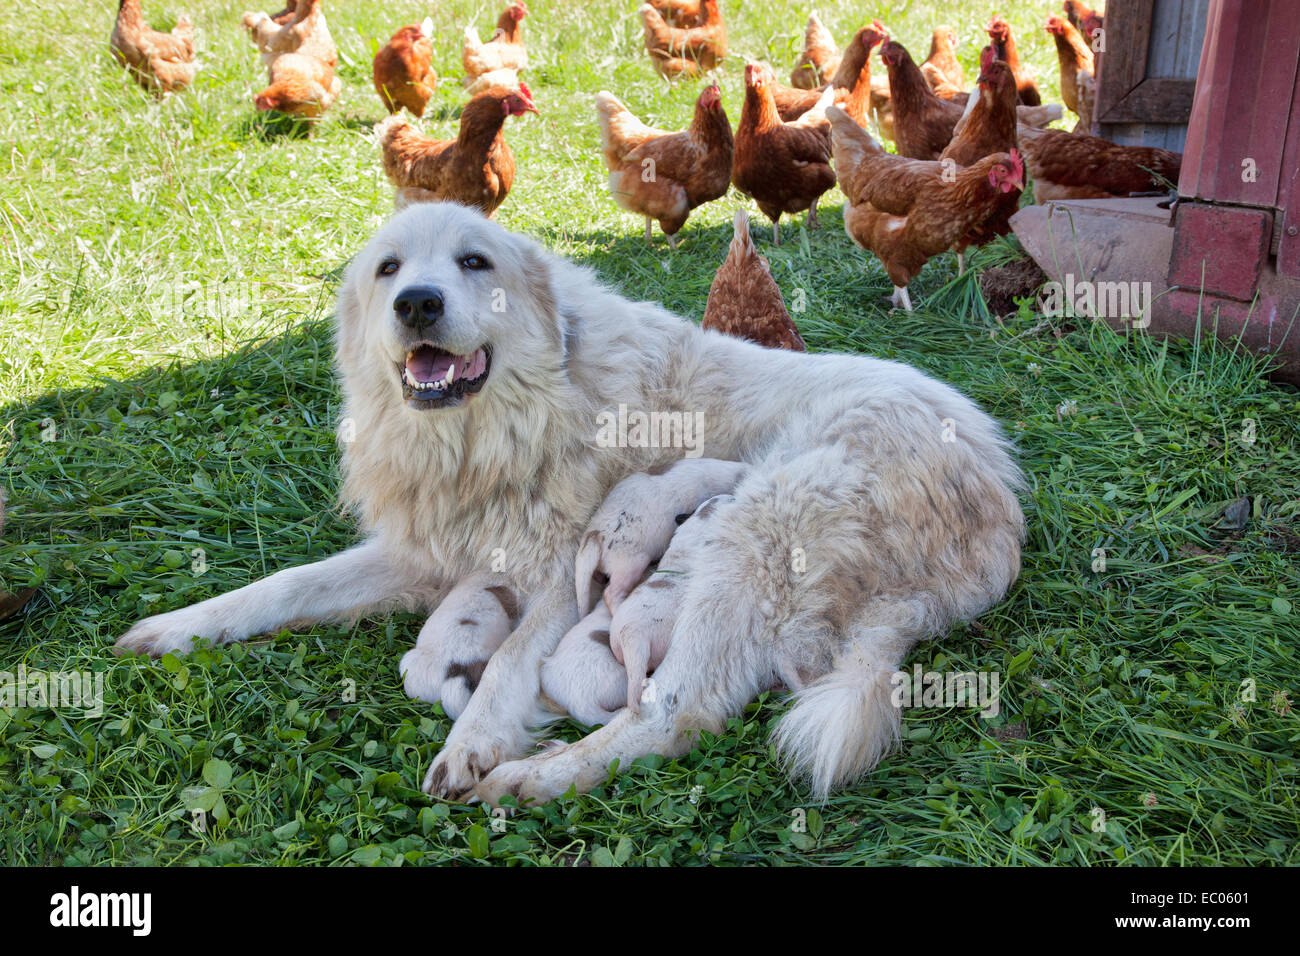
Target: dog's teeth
{"type": "Point", "coordinates": [451, 373]}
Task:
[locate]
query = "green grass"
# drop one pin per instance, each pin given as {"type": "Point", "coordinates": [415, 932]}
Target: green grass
{"type": "Point", "coordinates": [205, 422]}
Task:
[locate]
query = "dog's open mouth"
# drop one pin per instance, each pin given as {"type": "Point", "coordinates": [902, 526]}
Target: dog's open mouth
{"type": "Point", "coordinates": [435, 378]}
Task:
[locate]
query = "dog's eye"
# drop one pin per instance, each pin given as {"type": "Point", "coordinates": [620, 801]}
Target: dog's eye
{"type": "Point", "coordinates": [475, 262]}
{"type": "Point", "coordinates": [388, 267]}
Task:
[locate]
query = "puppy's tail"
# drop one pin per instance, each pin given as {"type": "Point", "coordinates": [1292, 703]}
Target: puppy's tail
{"type": "Point", "coordinates": [846, 722]}
{"type": "Point", "coordinates": [584, 569]}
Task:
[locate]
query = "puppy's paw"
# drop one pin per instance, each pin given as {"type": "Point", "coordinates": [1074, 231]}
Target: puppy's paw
{"type": "Point", "coordinates": [425, 677]}
{"type": "Point", "coordinates": [457, 770]}
{"type": "Point", "coordinates": [163, 633]}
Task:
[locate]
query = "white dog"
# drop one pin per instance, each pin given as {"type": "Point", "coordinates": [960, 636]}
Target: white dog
{"type": "Point", "coordinates": [879, 506]}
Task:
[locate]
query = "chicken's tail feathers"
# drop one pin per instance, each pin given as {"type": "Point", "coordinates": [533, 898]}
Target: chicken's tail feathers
{"type": "Point", "coordinates": [1040, 116]}
{"type": "Point", "coordinates": [741, 240]}
{"type": "Point", "coordinates": [650, 16]}
{"type": "Point", "coordinates": [816, 34]}
{"type": "Point", "coordinates": [848, 136]}
{"type": "Point", "coordinates": [825, 100]}
{"type": "Point", "coordinates": [608, 106]}
{"type": "Point", "coordinates": [386, 128]}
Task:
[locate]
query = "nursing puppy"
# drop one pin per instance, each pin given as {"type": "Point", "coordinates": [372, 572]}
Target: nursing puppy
{"type": "Point", "coordinates": [583, 678]}
{"type": "Point", "coordinates": [878, 509]}
{"type": "Point", "coordinates": [633, 526]}
{"type": "Point", "coordinates": [642, 627]}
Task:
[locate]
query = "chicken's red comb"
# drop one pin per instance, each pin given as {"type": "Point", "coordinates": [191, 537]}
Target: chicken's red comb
{"type": "Point", "coordinates": [1017, 162]}
{"type": "Point", "coordinates": [523, 88]}
{"type": "Point", "coordinates": [986, 57]}
{"type": "Point", "coordinates": [879, 27]}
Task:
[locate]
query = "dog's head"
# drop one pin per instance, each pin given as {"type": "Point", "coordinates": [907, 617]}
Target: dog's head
{"type": "Point", "coordinates": [442, 307]}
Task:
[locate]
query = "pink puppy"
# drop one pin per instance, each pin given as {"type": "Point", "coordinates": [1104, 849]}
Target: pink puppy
{"type": "Point", "coordinates": [631, 530]}
{"type": "Point", "coordinates": [581, 676]}
{"type": "Point", "coordinates": [643, 624]}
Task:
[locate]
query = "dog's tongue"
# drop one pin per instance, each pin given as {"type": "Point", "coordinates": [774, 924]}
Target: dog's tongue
{"type": "Point", "coordinates": [427, 364]}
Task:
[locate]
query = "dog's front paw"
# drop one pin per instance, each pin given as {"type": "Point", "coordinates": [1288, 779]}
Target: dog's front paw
{"type": "Point", "coordinates": [162, 633]}
{"type": "Point", "coordinates": [533, 780]}
{"type": "Point", "coordinates": [457, 770]}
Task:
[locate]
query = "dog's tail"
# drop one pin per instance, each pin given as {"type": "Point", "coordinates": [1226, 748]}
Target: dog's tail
{"type": "Point", "coordinates": [843, 724]}
{"type": "Point", "coordinates": [584, 570]}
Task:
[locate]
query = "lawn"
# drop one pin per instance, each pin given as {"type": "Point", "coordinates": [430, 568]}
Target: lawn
{"type": "Point", "coordinates": [167, 273]}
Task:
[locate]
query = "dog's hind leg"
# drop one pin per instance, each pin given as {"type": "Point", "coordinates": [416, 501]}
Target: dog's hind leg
{"type": "Point", "coordinates": [358, 581]}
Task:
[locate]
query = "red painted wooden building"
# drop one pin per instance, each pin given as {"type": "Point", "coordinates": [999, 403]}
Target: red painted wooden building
{"type": "Point", "coordinates": [1226, 258]}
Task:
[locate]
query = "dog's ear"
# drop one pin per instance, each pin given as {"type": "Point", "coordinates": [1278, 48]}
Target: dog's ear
{"type": "Point", "coordinates": [539, 285]}
{"type": "Point", "coordinates": [348, 320]}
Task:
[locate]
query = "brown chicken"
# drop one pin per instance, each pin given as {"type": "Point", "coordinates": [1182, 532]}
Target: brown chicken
{"type": "Point", "coordinates": [300, 86]}
{"type": "Point", "coordinates": [662, 175]}
{"type": "Point", "coordinates": [680, 13]}
{"type": "Point", "coordinates": [1074, 166]}
{"type": "Point", "coordinates": [305, 32]}
{"type": "Point", "coordinates": [785, 167]}
{"type": "Point", "coordinates": [403, 70]}
{"type": "Point", "coordinates": [853, 68]}
{"type": "Point", "coordinates": [688, 51]}
{"type": "Point", "coordinates": [990, 125]}
{"type": "Point", "coordinates": [160, 62]}
{"type": "Point", "coordinates": [744, 299]}
{"type": "Point", "coordinates": [1081, 13]}
{"type": "Point", "coordinates": [504, 50]}
{"type": "Point", "coordinates": [301, 60]}
{"type": "Point", "coordinates": [941, 69]}
{"type": "Point", "coordinates": [1075, 58]}
{"type": "Point", "coordinates": [475, 169]}
{"type": "Point", "coordinates": [908, 210]}
{"type": "Point", "coordinates": [820, 57]}
{"type": "Point", "coordinates": [1004, 48]}
{"type": "Point", "coordinates": [923, 122]}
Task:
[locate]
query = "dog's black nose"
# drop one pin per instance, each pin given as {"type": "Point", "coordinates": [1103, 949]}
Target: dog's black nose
{"type": "Point", "coordinates": [419, 305]}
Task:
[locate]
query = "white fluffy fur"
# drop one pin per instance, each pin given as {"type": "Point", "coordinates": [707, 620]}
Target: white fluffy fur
{"type": "Point", "coordinates": [879, 508]}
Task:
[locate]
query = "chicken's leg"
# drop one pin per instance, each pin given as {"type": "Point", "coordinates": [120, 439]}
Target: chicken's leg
{"type": "Point", "coordinates": [961, 264]}
{"type": "Point", "coordinates": [901, 299]}
{"type": "Point", "coordinates": [649, 236]}
{"type": "Point", "coordinates": [672, 242]}
{"type": "Point", "coordinates": [776, 231]}
{"type": "Point", "coordinates": [812, 217]}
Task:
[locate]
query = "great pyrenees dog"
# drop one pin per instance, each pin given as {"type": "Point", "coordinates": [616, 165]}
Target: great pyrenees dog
{"type": "Point", "coordinates": [879, 508]}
